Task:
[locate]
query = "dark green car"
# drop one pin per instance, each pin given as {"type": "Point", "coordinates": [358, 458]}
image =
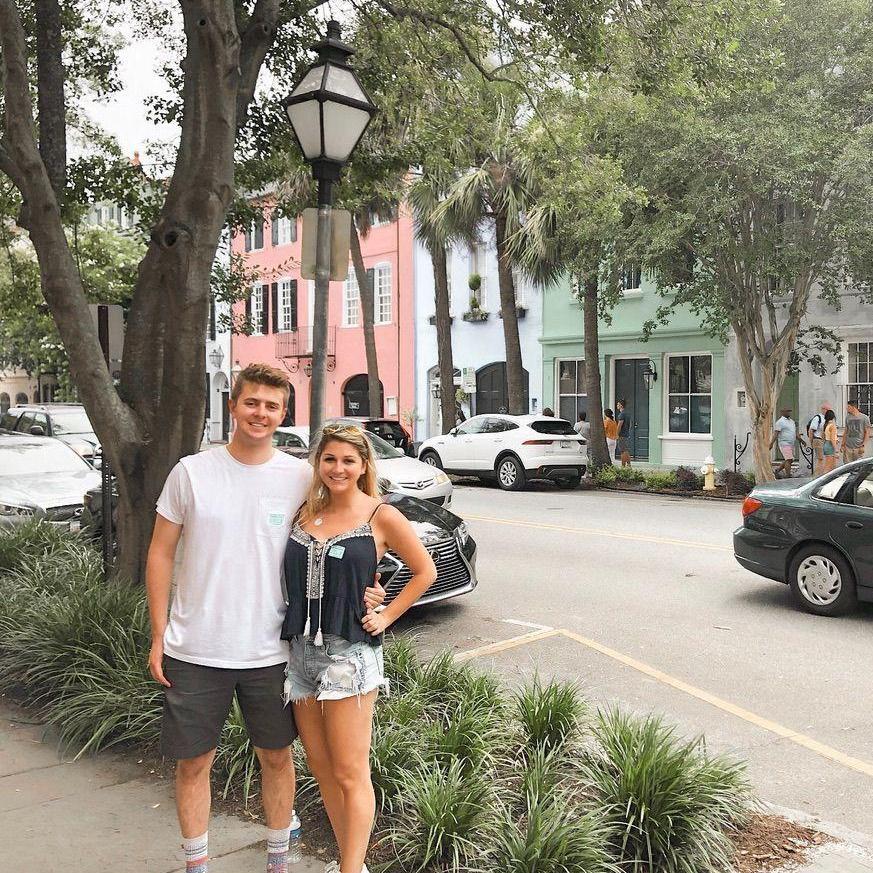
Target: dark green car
{"type": "Point", "coordinates": [815, 535]}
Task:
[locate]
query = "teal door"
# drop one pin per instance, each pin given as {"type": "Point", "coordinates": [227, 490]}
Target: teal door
{"type": "Point", "coordinates": [631, 387]}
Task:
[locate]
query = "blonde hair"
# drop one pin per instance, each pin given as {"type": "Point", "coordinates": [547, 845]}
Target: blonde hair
{"type": "Point", "coordinates": [352, 435]}
{"type": "Point", "coordinates": [261, 374]}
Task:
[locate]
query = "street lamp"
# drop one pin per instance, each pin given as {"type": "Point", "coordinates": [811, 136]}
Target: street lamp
{"type": "Point", "coordinates": [650, 375]}
{"type": "Point", "coordinates": [235, 370]}
{"type": "Point", "coordinates": [436, 390]}
{"type": "Point", "coordinates": [329, 112]}
{"type": "Point", "coordinates": [216, 356]}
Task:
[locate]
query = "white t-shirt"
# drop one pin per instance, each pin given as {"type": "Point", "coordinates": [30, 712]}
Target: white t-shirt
{"type": "Point", "coordinates": [228, 606]}
{"type": "Point", "coordinates": [787, 430]}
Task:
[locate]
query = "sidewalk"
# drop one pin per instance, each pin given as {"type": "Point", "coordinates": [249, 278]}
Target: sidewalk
{"type": "Point", "coordinates": [103, 813]}
{"type": "Point", "coordinates": [106, 813]}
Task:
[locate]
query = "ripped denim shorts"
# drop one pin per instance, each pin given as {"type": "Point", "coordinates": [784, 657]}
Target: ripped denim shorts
{"type": "Point", "coordinates": [334, 671]}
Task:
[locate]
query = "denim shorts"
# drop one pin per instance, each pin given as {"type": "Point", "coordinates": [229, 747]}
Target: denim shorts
{"type": "Point", "coordinates": [334, 671]}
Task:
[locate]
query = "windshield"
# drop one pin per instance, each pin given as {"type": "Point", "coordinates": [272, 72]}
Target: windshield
{"type": "Point", "coordinates": [71, 421]}
{"type": "Point", "coordinates": [556, 426]}
{"type": "Point", "coordinates": [22, 459]}
{"type": "Point", "coordinates": [383, 449]}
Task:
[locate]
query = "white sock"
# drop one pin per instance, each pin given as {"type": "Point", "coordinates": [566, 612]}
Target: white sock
{"type": "Point", "coordinates": [277, 849]}
{"type": "Point", "coordinates": [196, 854]}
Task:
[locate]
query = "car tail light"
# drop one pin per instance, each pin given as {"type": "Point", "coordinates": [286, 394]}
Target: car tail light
{"type": "Point", "coordinates": [537, 442]}
{"type": "Point", "coordinates": [750, 505]}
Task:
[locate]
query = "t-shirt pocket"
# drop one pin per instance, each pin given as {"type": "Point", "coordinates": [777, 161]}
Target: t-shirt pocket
{"type": "Point", "coordinates": [274, 516]}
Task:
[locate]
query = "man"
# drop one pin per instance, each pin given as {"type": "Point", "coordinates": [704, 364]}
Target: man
{"type": "Point", "coordinates": [815, 433]}
{"type": "Point", "coordinates": [785, 435]}
{"type": "Point", "coordinates": [583, 427]}
{"type": "Point", "coordinates": [856, 432]}
{"type": "Point", "coordinates": [235, 505]}
{"type": "Point", "coordinates": [623, 433]}
{"type": "Point", "coordinates": [549, 412]}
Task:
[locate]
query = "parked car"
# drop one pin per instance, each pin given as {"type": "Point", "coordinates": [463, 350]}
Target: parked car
{"type": "Point", "coordinates": [816, 536]}
{"type": "Point", "coordinates": [512, 449]}
{"type": "Point", "coordinates": [42, 477]}
{"type": "Point", "coordinates": [65, 421]}
{"type": "Point", "coordinates": [391, 431]}
{"type": "Point", "coordinates": [400, 473]}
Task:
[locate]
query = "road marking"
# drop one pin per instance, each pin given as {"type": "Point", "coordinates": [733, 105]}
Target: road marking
{"type": "Point", "coordinates": [642, 538]}
{"type": "Point", "coordinates": [503, 645]}
{"type": "Point", "coordinates": [766, 724]}
{"type": "Point", "coordinates": [532, 624]}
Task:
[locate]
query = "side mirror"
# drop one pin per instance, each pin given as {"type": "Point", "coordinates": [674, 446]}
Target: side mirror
{"type": "Point", "coordinates": [37, 430]}
{"type": "Point", "coordinates": [453, 432]}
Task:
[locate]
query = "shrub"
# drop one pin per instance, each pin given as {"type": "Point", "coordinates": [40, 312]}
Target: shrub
{"type": "Point", "coordinates": [402, 664]}
{"type": "Point", "coordinates": [736, 483]}
{"type": "Point", "coordinates": [688, 480]}
{"type": "Point", "coordinates": [661, 481]}
{"type": "Point", "coordinates": [631, 475]}
{"type": "Point", "coordinates": [605, 476]}
{"type": "Point", "coordinates": [549, 714]}
{"type": "Point", "coordinates": [669, 803]}
{"type": "Point", "coordinates": [469, 735]}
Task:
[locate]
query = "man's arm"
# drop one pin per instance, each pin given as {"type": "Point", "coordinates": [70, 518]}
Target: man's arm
{"type": "Point", "coordinates": [159, 579]}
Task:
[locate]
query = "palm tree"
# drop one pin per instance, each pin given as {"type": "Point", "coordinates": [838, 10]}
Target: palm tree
{"type": "Point", "coordinates": [494, 191]}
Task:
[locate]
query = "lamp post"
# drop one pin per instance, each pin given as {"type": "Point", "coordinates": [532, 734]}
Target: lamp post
{"type": "Point", "coordinates": [329, 112]}
{"type": "Point", "coordinates": [216, 356]}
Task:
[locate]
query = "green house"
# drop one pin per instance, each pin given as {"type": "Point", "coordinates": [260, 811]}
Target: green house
{"type": "Point", "coordinates": [673, 385]}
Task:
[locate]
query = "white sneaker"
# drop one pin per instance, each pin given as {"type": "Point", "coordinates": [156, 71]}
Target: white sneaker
{"type": "Point", "coordinates": [333, 867]}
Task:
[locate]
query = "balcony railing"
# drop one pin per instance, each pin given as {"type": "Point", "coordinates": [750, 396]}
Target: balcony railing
{"type": "Point", "coordinates": [296, 344]}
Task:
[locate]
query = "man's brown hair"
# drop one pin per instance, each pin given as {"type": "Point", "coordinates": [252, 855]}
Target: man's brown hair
{"type": "Point", "coordinates": [261, 374]}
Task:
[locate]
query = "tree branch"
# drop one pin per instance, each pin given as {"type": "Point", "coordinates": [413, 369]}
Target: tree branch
{"type": "Point", "coordinates": [255, 43]}
{"type": "Point", "coordinates": [51, 105]}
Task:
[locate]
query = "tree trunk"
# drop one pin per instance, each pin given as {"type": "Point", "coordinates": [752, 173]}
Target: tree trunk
{"type": "Point", "coordinates": [368, 307]}
{"type": "Point", "coordinates": [445, 363]}
{"type": "Point", "coordinates": [51, 107]}
{"type": "Point", "coordinates": [598, 452]}
{"type": "Point", "coordinates": [514, 368]}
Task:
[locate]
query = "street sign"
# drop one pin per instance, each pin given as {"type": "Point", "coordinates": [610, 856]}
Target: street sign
{"type": "Point", "coordinates": [468, 380]}
{"type": "Point", "coordinates": [340, 241]}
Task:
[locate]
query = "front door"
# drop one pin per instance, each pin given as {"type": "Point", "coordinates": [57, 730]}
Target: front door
{"type": "Point", "coordinates": [630, 386]}
{"type": "Point", "coordinates": [492, 393]}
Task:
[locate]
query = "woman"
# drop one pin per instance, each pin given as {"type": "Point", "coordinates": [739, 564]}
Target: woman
{"type": "Point", "coordinates": [335, 667]}
{"type": "Point", "coordinates": [829, 446]}
{"type": "Point", "coordinates": [610, 427]}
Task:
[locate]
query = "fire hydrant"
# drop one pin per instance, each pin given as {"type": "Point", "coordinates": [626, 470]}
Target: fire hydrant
{"type": "Point", "coordinates": [709, 471]}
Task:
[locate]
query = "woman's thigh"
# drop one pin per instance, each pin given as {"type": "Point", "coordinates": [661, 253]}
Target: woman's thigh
{"type": "Point", "coordinates": [348, 728]}
{"type": "Point", "coordinates": [311, 727]}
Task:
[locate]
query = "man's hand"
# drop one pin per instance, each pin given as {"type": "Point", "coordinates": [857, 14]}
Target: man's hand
{"type": "Point", "coordinates": [156, 662]}
{"type": "Point", "coordinates": [374, 596]}
{"type": "Point", "coordinates": [375, 623]}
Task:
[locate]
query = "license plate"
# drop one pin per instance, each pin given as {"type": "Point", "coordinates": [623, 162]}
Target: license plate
{"type": "Point", "coordinates": [566, 444]}
{"type": "Point", "coordinates": [75, 526]}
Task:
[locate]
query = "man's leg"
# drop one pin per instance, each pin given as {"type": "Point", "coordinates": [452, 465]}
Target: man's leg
{"type": "Point", "coordinates": [277, 790]}
{"type": "Point", "coordinates": [193, 798]}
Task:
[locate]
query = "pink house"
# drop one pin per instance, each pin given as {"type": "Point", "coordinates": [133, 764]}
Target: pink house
{"type": "Point", "coordinates": [280, 307]}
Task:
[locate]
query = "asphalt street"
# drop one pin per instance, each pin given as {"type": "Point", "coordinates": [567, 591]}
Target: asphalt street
{"type": "Point", "coordinates": [655, 615]}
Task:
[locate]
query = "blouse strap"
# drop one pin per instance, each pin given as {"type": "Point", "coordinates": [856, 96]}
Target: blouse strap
{"type": "Point", "coordinates": [381, 504]}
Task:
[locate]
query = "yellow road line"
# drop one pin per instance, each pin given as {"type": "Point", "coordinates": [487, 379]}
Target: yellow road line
{"type": "Point", "coordinates": [503, 645]}
{"type": "Point", "coordinates": [642, 538]}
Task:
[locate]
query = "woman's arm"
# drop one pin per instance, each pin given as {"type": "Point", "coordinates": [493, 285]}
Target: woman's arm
{"type": "Point", "coordinates": [400, 537]}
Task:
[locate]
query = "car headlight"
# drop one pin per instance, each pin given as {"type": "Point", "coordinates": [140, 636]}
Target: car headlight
{"type": "Point", "coordinates": [462, 533]}
{"type": "Point", "coordinates": [12, 509]}
{"type": "Point", "coordinates": [441, 478]}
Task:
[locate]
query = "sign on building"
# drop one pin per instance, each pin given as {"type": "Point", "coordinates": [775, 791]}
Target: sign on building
{"type": "Point", "coordinates": [468, 380]}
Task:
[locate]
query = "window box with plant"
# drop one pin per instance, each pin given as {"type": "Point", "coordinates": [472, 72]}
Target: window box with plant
{"type": "Point", "coordinates": [475, 313]}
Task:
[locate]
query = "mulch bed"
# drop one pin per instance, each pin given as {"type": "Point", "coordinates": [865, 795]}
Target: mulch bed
{"type": "Point", "coordinates": [772, 843]}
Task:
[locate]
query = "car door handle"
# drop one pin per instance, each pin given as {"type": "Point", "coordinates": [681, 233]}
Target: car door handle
{"type": "Point", "coordinates": [498, 441]}
{"type": "Point", "coordinates": [855, 525]}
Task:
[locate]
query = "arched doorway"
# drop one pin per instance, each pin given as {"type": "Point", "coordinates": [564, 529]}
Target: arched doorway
{"type": "Point", "coordinates": [492, 394]}
{"type": "Point", "coordinates": [21, 399]}
{"type": "Point", "coordinates": [356, 400]}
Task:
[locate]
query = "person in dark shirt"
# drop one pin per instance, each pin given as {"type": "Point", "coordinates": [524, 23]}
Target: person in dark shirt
{"type": "Point", "coordinates": [623, 433]}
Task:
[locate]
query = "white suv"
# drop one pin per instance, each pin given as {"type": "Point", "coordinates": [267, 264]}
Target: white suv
{"type": "Point", "coordinates": [512, 449]}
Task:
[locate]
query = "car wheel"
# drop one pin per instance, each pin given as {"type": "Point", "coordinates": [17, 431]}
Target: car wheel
{"type": "Point", "coordinates": [821, 581]}
{"type": "Point", "coordinates": [567, 483]}
{"type": "Point", "coordinates": [510, 474]}
{"type": "Point", "coordinates": [431, 458]}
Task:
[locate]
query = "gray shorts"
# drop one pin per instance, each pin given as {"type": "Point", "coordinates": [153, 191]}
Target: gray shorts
{"type": "Point", "coordinates": [197, 704]}
{"type": "Point", "coordinates": [334, 671]}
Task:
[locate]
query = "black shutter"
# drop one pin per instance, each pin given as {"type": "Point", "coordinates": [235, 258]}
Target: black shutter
{"type": "Point", "coordinates": [259, 233]}
{"type": "Point", "coordinates": [211, 318]}
{"type": "Point", "coordinates": [274, 230]}
{"type": "Point", "coordinates": [248, 240]}
{"type": "Point", "coordinates": [249, 311]}
{"type": "Point", "coordinates": [371, 278]}
{"type": "Point", "coordinates": [274, 299]}
{"type": "Point", "coordinates": [265, 310]}
{"type": "Point", "coordinates": [293, 304]}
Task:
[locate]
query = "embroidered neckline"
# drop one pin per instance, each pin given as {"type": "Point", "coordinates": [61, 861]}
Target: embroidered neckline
{"type": "Point", "coordinates": [362, 530]}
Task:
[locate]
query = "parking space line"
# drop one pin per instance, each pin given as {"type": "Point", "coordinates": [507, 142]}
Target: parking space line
{"type": "Point", "coordinates": [825, 751]}
{"type": "Point", "coordinates": [641, 538]}
{"type": "Point", "coordinates": [504, 645]}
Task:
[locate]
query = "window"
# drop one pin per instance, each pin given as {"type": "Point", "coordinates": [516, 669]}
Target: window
{"type": "Point", "coordinates": [257, 310]}
{"type": "Point", "coordinates": [351, 300]}
{"type": "Point", "coordinates": [478, 267]}
{"type": "Point", "coordinates": [520, 283]}
{"type": "Point", "coordinates": [690, 398]}
{"type": "Point", "coordinates": [382, 294]}
{"type": "Point", "coordinates": [20, 397]}
{"type": "Point", "coordinates": [631, 277]}
{"type": "Point", "coordinates": [864, 492]}
{"type": "Point", "coordinates": [861, 375]}
{"type": "Point", "coordinates": [572, 398]}
{"type": "Point", "coordinates": [472, 425]}
{"type": "Point", "coordinates": [283, 230]}
{"type": "Point", "coordinates": [287, 303]}
{"type": "Point", "coordinates": [255, 235]}
{"type": "Point", "coordinates": [832, 488]}
{"type": "Point", "coordinates": [449, 276]}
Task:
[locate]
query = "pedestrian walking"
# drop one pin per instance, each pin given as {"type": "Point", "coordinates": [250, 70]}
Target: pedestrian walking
{"type": "Point", "coordinates": [856, 432]}
{"type": "Point", "coordinates": [815, 435]}
{"type": "Point", "coordinates": [785, 435]}
{"type": "Point", "coordinates": [829, 446]}
{"type": "Point", "coordinates": [335, 666]}
{"type": "Point", "coordinates": [623, 433]}
{"type": "Point", "coordinates": [583, 426]}
{"type": "Point", "coordinates": [610, 427]}
{"type": "Point", "coordinates": [235, 505]}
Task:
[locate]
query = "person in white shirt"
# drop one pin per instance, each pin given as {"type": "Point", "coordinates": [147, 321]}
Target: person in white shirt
{"type": "Point", "coordinates": [785, 436]}
{"type": "Point", "coordinates": [234, 506]}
